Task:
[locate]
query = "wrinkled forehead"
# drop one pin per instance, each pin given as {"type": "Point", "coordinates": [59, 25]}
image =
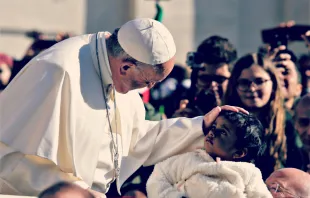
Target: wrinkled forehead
{"type": "Point", "coordinates": [164, 69]}
{"type": "Point", "coordinates": [276, 177]}
{"type": "Point", "coordinates": [156, 73]}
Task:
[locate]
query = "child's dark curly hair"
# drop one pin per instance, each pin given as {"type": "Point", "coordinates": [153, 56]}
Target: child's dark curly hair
{"type": "Point", "coordinates": [249, 131]}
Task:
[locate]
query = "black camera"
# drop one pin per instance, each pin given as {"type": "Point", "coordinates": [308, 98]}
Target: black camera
{"type": "Point", "coordinates": [194, 60]}
{"type": "Point", "coordinates": [282, 35]}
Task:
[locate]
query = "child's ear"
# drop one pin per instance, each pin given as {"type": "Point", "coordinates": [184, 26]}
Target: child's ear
{"type": "Point", "coordinates": [240, 153]}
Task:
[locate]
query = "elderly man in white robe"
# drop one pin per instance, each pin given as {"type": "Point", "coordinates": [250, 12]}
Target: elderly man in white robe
{"type": "Point", "coordinates": [70, 114]}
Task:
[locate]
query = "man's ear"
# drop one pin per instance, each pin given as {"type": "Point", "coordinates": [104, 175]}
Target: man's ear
{"type": "Point", "coordinates": [240, 153]}
{"type": "Point", "coordinates": [125, 68]}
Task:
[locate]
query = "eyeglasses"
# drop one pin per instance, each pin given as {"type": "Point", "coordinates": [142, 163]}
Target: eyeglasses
{"type": "Point", "coordinates": [245, 84]}
{"type": "Point", "coordinates": [279, 191]}
{"type": "Point", "coordinates": [208, 79]}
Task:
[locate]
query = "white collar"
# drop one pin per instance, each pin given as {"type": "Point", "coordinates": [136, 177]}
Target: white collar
{"type": "Point", "coordinates": [102, 56]}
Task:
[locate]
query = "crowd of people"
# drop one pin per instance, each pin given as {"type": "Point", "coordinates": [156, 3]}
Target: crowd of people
{"type": "Point", "coordinates": [222, 126]}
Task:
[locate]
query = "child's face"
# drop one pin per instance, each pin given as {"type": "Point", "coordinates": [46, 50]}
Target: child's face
{"type": "Point", "coordinates": [220, 140]}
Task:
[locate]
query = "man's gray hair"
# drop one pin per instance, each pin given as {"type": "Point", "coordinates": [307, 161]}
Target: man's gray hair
{"type": "Point", "coordinates": [114, 49]}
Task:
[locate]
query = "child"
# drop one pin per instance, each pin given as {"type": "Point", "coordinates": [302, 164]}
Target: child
{"type": "Point", "coordinates": [234, 137]}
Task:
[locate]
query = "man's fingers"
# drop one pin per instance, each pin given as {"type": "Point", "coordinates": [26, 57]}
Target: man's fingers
{"type": "Point", "coordinates": [281, 47]}
{"type": "Point", "coordinates": [272, 54]}
{"type": "Point", "coordinates": [210, 117]}
{"type": "Point", "coordinates": [290, 23]}
{"type": "Point", "coordinates": [284, 56]}
{"type": "Point", "coordinates": [234, 108]}
{"type": "Point", "coordinates": [285, 63]}
{"type": "Point", "coordinates": [217, 97]}
{"type": "Point", "coordinates": [183, 104]}
{"type": "Point", "coordinates": [283, 24]}
{"type": "Point", "coordinates": [305, 37]}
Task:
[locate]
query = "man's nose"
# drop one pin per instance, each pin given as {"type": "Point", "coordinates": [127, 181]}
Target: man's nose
{"type": "Point", "coordinates": [214, 85]}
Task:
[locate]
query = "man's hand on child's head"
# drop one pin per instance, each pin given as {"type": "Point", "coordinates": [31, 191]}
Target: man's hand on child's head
{"type": "Point", "coordinates": [233, 108]}
{"type": "Point", "coordinates": [210, 117]}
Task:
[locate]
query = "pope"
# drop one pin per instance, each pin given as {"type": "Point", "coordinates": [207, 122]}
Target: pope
{"type": "Point", "coordinates": [72, 114]}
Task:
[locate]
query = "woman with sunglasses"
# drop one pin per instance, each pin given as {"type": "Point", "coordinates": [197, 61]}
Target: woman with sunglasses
{"type": "Point", "coordinates": [254, 85]}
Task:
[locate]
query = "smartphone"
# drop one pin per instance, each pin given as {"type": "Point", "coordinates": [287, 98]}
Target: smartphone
{"type": "Point", "coordinates": [282, 35]}
{"type": "Point", "coordinates": [296, 31]}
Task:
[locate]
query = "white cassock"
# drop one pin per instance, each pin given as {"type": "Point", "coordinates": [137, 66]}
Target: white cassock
{"type": "Point", "coordinates": [54, 126]}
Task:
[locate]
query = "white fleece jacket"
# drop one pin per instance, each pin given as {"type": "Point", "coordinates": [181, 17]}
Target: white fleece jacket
{"type": "Point", "coordinates": [196, 174]}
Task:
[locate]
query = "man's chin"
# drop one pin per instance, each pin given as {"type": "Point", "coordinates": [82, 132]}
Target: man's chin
{"type": "Point", "coordinates": [121, 90]}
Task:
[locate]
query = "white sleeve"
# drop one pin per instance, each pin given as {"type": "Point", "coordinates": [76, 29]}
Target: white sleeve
{"type": "Point", "coordinates": [29, 175]}
{"type": "Point", "coordinates": [175, 136]}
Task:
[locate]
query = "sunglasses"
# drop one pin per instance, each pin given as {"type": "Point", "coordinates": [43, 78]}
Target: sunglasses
{"type": "Point", "coordinates": [208, 79]}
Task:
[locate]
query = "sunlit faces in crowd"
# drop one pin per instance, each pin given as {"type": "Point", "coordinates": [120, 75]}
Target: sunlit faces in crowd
{"type": "Point", "coordinates": [213, 79]}
{"type": "Point", "coordinates": [217, 55]}
{"type": "Point", "coordinates": [254, 83]}
{"type": "Point", "coordinates": [254, 87]}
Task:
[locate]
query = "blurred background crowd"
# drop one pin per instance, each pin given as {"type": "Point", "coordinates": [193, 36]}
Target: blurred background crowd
{"type": "Point", "coordinates": [252, 54]}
